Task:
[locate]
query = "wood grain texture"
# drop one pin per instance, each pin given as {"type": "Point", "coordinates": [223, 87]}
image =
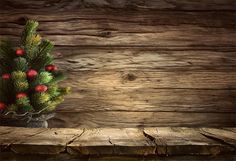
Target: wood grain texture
{"type": "Point", "coordinates": [141, 29]}
{"type": "Point", "coordinates": [157, 141]}
{"type": "Point", "coordinates": [51, 141]}
{"type": "Point", "coordinates": [176, 141]}
{"type": "Point", "coordinates": [11, 135]}
{"type": "Point", "coordinates": [148, 99]}
{"type": "Point", "coordinates": [118, 119]}
{"type": "Point", "coordinates": [166, 63]}
{"type": "Point", "coordinates": [76, 59]}
{"type": "Point", "coordinates": [121, 4]}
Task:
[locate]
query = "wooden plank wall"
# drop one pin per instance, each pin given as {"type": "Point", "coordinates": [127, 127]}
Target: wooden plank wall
{"type": "Point", "coordinates": [138, 62]}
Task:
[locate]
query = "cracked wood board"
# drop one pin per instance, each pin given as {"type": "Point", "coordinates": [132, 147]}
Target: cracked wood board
{"type": "Point", "coordinates": [51, 141]}
{"type": "Point", "coordinates": [230, 129]}
{"type": "Point", "coordinates": [9, 136]}
{"type": "Point", "coordinates": [105, 141]}
{"type": "Point", "coordinates": [181, 141]}
{"type": "Point", "coordinates": [226, 136]}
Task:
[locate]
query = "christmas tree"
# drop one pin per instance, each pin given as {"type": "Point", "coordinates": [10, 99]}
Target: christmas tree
{"type": "Point", "coordinates": [29, 79]}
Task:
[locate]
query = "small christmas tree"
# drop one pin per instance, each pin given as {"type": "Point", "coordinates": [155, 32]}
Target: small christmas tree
{"type": "Point", "coordinates": [29, 79]}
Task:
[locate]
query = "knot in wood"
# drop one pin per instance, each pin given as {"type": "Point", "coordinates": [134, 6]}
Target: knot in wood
{"type": "Point", "coordinates": [22, 20]}
{"type": "Point", "coordinates": [129, 77]}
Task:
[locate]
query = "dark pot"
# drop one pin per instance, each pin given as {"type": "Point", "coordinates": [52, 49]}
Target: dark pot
{"type": "Point", "coordinates": [36, 122]}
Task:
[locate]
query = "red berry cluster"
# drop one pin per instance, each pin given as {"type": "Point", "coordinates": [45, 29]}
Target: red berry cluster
{"type": "Point", "coordinates": [2, 106]}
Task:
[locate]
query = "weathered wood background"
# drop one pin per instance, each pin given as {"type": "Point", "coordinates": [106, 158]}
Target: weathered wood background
{"type": "Point", "coordinates": [138, 62]}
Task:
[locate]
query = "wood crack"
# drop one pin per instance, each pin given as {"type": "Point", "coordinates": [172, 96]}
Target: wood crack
{"type": "Point", "coordinates": [215, 138]}
{"type": "Point", "coordinates": [157, 147]}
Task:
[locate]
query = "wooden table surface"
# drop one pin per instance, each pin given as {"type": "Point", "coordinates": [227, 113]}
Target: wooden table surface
{"type": "Point", "coordinates": [159, 143]}
{"type": "Point", "coordinates": [138, 63]}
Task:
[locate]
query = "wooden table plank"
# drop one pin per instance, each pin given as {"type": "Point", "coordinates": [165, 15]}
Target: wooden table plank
{"type": "Point", "coordinates": [228, 137]}
{"type": "Point", "coordinates": [112, 141]}
{"type": "Point", "coordinates": [121, 4]}
{"type": "Point", "coordinates": [116, 141]}
{"type": "Point", "coordinates": [51, 141]}
{"type": "Point", "coordinates": [11, 135]}
{"type": "Point", "coordinates": [116, 119]}
{"type": "Point", "coordinates": [178, 141]}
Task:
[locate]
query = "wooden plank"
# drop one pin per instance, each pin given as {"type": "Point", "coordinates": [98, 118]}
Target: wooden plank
{"type": "Point", "coordinates": [146, 30]}
{"type": "Point", "coordinates": [228, 137]}
{"type": "Point", "coordinates": [51, 141]}
{"type": "Point", "coordinates": [135, 21]}
{"type": "Point", "coordinates": [115, 141]}
{"type": "Point", "coordinates": [132, 80]}
{"type": "Point", "coordinates": [141, 119]}
{"type": "Point", "coordinates": [147, 99]}
{"type": "Point", "coordinates": [11, 135]}
{"type": "Point", "coordinates": [121, 4]}
{"type": "Point", "coordinates": [180, 141]}
{"type": "Point", "coordinates": [179, 36]}
{"type": "Point", "coordinates": [79, 59]}
{"type": "Point", "coordinates": [168, 141]}
{"type": "Point", "coordinates": [112, 141]}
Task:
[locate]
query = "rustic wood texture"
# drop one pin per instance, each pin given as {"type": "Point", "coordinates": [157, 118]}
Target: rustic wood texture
{"type": "Point", "coordinates": [118, 119]}
{"type": "Point", "coordinates": [138, 63]}
{"type": "Point", "coordinates": [121, 4]}
{"type": "Point", "coordinates": [159, 141]}
{"type": "Point", "coordinates": [113, 30]}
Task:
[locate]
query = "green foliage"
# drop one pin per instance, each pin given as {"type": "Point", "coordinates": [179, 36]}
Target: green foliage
{"type": "Point", "coordinates": [19, 80]}
{"type": "Point", "coordinates": [18, 75]}
{"type": "Point", "coordinates": [24, 101]}
{"type": "Point", "coordinates": [6, 56]}
{"type": "Point", "coordinates": [40, 98]}
{"type": "Point", "coordinates": [12, 107]}
{"type": "Point", "coordinates": [37, 55]}
{"type": "Point", "coordinates": [43, 56]}
{"type": "Point", "coordinates": [42, 78]}
{"type": "Point", "coordinates": [20, 64]}
{"type": "Point", "coordinates": [65, 90]}
{"type": "Point", "coordinates": [53, 90]}
{"type": "Point", "coordinates": [58, 77]}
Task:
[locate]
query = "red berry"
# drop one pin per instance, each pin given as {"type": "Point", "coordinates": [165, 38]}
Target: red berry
{"type": "Point", "coordinates": [41, 88]}
{"type": "Point", "coordinates": [6, 76]}
{"type": "Point", "coordinates": [20, 52]}
{"type": "Point", "coordinates": [54, 68]}
{"type": "Point", "coordinates": [2, 106]}
{"type": "Point", "coordinates": [48, 68]}
{"type": "Point", "coordinates": [31, 73]}
{"type": "Point", "coordinates": [51, 68]}
{"type": "Point", "coordinates": [21, 95]}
